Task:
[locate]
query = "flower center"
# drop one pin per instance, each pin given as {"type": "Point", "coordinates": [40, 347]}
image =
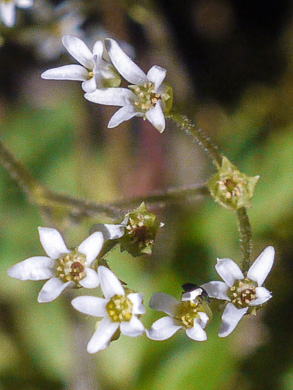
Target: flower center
{"type": "Point", "coordinates": [139, 232]}
{"type": "Point", "coordinates": [71, 267]}
{"type": "Point", "coordinates": [243, 292]}
{"type": "Point", "coordinates": [232, 186]}
{"type": "Point", "coordinates": [120, 308]}
{"type": "Point", "coordinates": [146, 96]}
{"type": "Point", "coordinates": [187, 312]}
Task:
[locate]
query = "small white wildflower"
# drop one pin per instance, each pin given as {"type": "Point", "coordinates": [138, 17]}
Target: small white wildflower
{"type": "Point", "coordinates": [148, 97]}
{"type": "Point", "coordinates": [94, 71]}
{"type": "Point", "coordinates": [7, 10]}
{"type": "Point", "coordinates": [63, 267]}
{"type": "Point", "coordinates": [192, 314]}
{"type": "Point", "coordinates": [243, 293]}
{"type": "Point", "coordinates": [118, 309]}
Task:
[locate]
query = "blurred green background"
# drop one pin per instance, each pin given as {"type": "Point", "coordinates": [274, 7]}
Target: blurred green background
{"type": "Point", "coordinates": [230, 63]}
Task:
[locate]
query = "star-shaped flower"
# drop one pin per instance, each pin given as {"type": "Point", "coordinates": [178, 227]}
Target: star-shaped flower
{"type": "Point", "coordinates": [7, 10]}
{"type": "Point", "coordinates": [244, 293]}
{"type": "Point", "coordinates": [192, 314]}
{"type": "Point", "coordinates": [94, 71]}
{"type": "Point", "coordinates": [118, 309]}
{"type": "Point", "coordinates": [148, 97]}
{"type": "Point", "coordinates": [63, 267]}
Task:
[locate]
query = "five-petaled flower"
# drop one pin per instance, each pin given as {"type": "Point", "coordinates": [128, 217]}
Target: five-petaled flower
{"type": "Point", "coordinates": [192, 314]}
{"type": "Point", "coordinates": [63, 267]}
{"type": "Point", "coordinates": [118, 309]}
{"type": "Point", "coordinates": [7, 10]}
{"type": "Point", "coordinates": [94, 71]}
{"type": "Point", "coordinates": [148, 97]}
{"type": "Point", "coordinates": [244, 293]}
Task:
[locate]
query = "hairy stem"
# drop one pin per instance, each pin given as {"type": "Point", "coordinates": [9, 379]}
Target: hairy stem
{"type": "Point", "coordinates": [48, 200]}
{"type": "Point", "coordinates": [205, 142]}
{"type": "Point", "coordinates": [161, 198]}
{"type": "Point", "coordinates": [245, 237]}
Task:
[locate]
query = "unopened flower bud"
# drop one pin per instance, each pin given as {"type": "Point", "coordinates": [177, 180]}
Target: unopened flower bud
{"type": "Point", "coordinates": [231, 188]}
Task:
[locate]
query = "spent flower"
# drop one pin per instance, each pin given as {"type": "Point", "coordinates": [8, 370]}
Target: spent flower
{"type": "Point", "coordinates": [120, 311]}
{"type": "Point", "coordinates": [94, 71]}
{"type": "Point", "coordinates": [243, 292]}
{"type": "Point", "coordinates": [63, 267]}
{"type": "Point", "coordinates": [148, 96]}
{"type": "Point", "coordinates": [141, 228]}
{"type": "Point", "coordinates": [231, 188]}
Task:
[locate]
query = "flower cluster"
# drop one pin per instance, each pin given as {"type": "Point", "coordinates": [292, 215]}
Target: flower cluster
{"type": "Point", "coordinates": [120, 309]}
{"type": "Point", "coordinates": [101, 70]}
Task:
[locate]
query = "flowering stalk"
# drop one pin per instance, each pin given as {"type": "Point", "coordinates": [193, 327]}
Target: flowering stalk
{"type": "Point", "coordinates": [245, 235]}
{"type": "Point", "coordinates": [161, 198]}
{"type": "Point", "coordinates": [185, 124]}
{"type": "Point", "coordinates": [245, 238]}
{"type": "Point", "coordinates": [46, 199]}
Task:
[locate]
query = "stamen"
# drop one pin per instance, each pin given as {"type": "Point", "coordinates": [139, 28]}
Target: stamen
{"type": "Point", "coordinates": [120, 308]}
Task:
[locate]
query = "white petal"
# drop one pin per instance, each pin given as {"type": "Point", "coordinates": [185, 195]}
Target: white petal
{"type": "Point", "coordinates": [93, 306]}
{"type": "Point", "coordinates": [7, 13]}
{"type": "Point", "coordinates": [89, 85]}
{"type": "Point", "coordinates": [204, 319]}
{"type": "Point", "coordinates": [132, 328]}
{"type": "Point", "coordinates": [125, 66]}
{"type": "Point", "coordinates": [157, 117]}
{"type": "Point", "coordinates": [262, 266]}
{"type": "Point", "coordinates": [24, 3]}
{"type": "Point", "coordinates": [217, 290]}
{"type": "Point", "coordinates": [110, 283]}
{"type": "Point", "coordinates": [111, 231]}
{"type": "Point", "coordinates": [52, 289]}
{"type": "Point", "coordinates": [111, 96]}
{"type": "Point", "coordinates": [137, 300]}
{"type": "Point", "coordinates": [34, 268]}
{"type": "Point", "coordinates": [163, 329]}
{"type": "Point", "coordinates": [230, 319]}
{"type": "Point", "coordinates": [98, 50]}
{"type": "Point", "coordinates": [196, 332]}
{"type": "Point", "coordinates": [79, 50]}
{"type": "Point", "coordinates": [102, 335]}
{"type": "Point", "coordinates": [67, 72]}
{"type": "Point", "coordinates": [164, 302]}
{"type": "Point", "coordinates": [52, 242]}
{"type": "Point", "coordinates": [122, 115]}
{"type": "Point", "coordinates": [262, 295]}
{"type": "Point", "coordinates": [156, 75]}
{"type": "Point", "coordinates": [229, 271]}
{"type": "Point", "coordinates": [91, 280]}
{"type": "Point", "coordinates": [92, 246]}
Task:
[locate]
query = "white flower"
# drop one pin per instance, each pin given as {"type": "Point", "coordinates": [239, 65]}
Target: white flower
{"type": "Point", "coordinates": [118, 309]}
{"type": "Point", "coordinates": [63, 268]}
{"type": "Point", "coordinates": [148, 97]}
{"type": "Point", "coordinates": [94, 71]}
{"type": "Point", "coordinates": [7, 10]}
{"type": "Point", "coordinates": [243, 293]}
{"type": "Point", "coordinates": [189, 314]}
